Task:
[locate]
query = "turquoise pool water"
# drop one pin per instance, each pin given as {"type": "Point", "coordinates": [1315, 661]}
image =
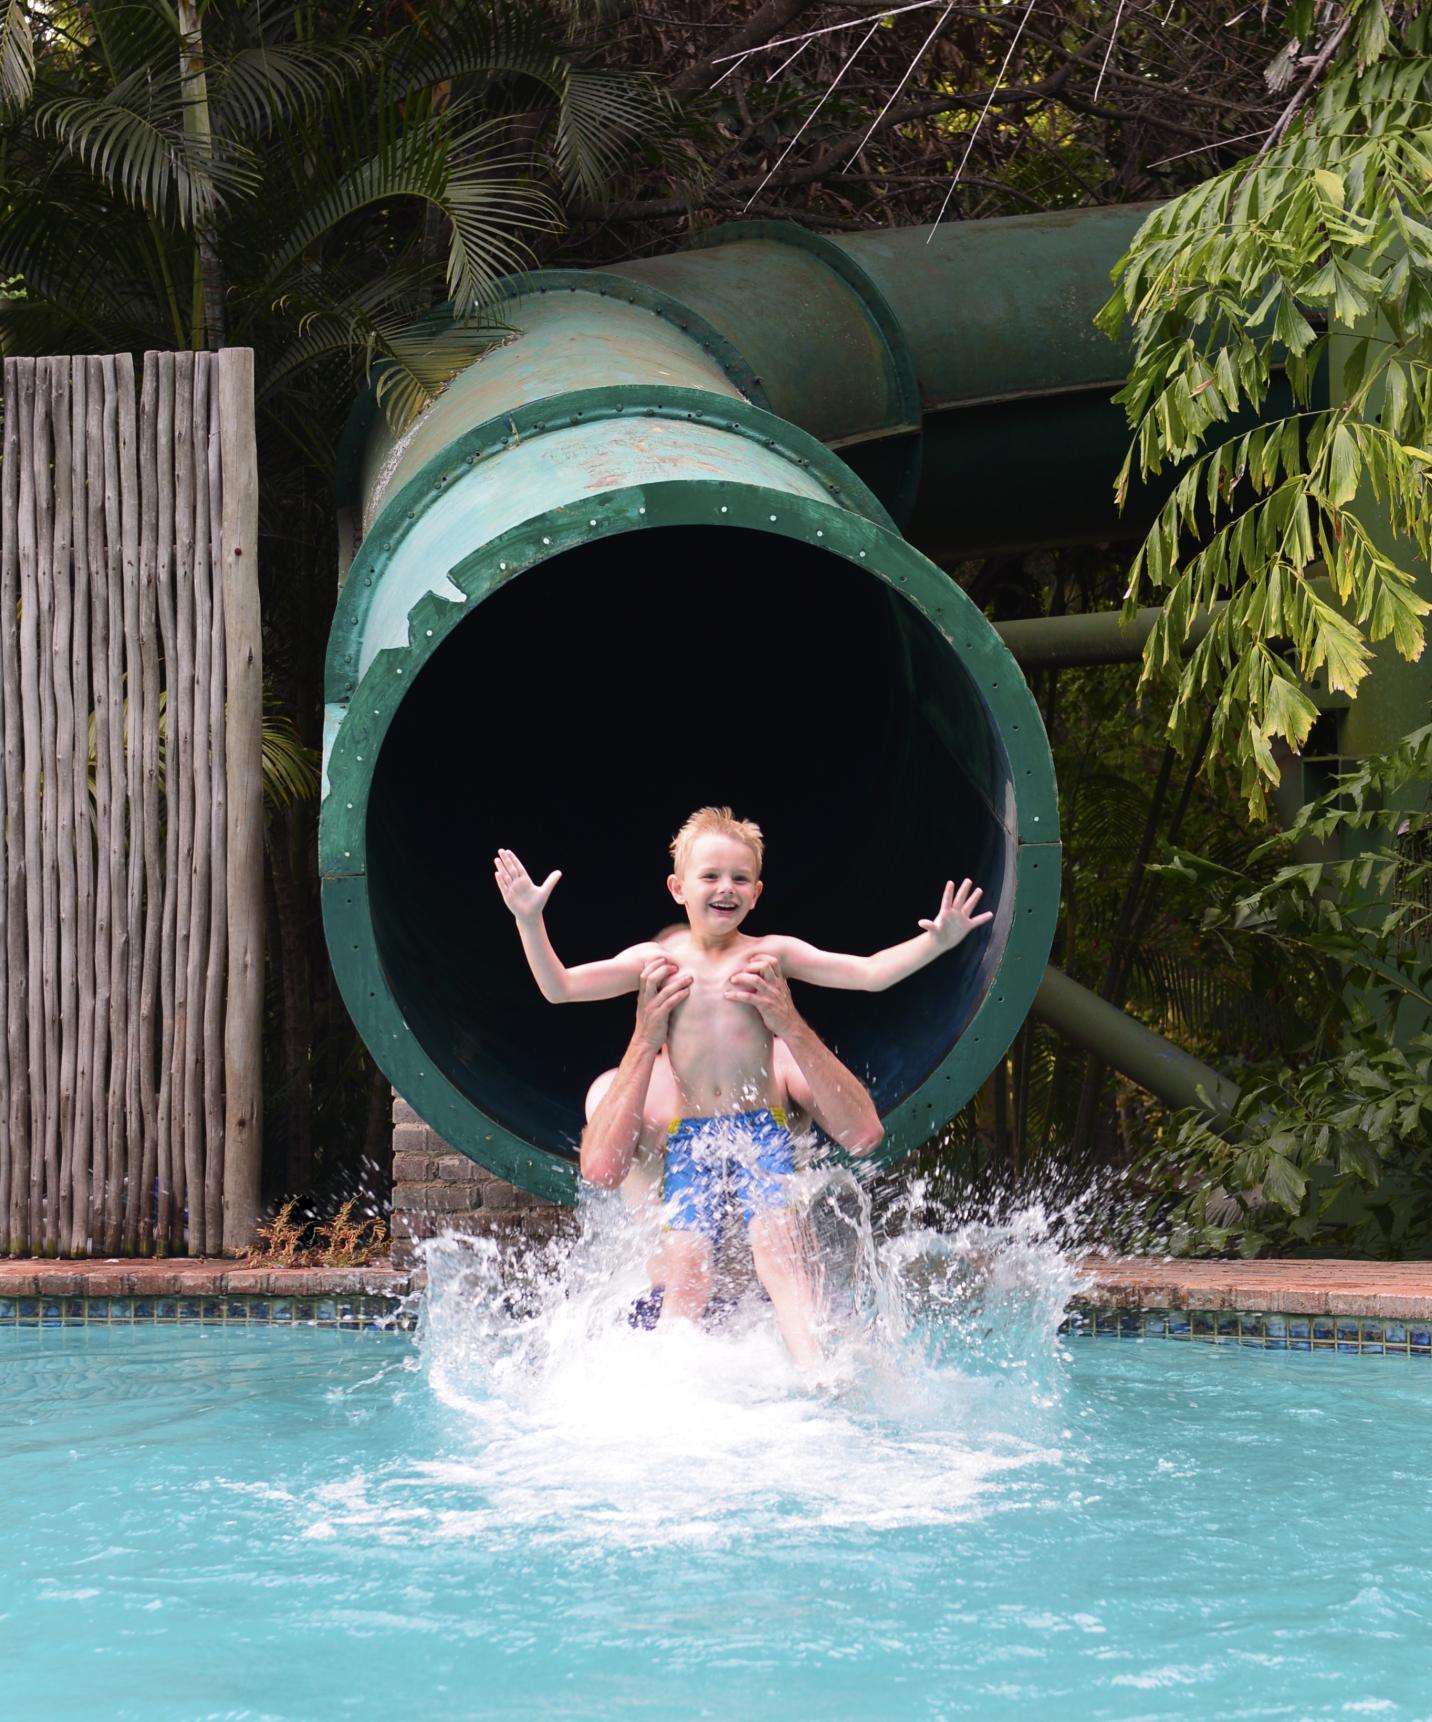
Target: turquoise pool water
{"type": "Point", "coordinates": [544, 1514]}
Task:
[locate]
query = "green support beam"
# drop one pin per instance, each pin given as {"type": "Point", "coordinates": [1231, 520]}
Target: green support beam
{"type": "Point", "coordinates": [1121, 1041]}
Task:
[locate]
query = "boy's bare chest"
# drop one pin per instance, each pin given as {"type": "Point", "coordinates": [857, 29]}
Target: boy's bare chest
{"type": "Point", "coordinates": [707, 1010]}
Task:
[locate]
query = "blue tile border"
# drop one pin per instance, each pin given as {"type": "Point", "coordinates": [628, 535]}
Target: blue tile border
{"type": "Point", "coordinates": [368, 1310]}
{"type": "Point", "coordinates": [1342, 1335]}
{"type": "Point", "coordinates": [1334, 1335]}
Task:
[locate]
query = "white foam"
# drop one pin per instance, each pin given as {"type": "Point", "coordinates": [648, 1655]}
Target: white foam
{"type": "Point", "coordinates": [565, 1424]}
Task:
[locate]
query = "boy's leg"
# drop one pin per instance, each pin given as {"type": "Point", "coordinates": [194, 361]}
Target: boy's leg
{"type": "Point", "coordinates": [684, 1267]}
{"type": "Point", "coordinates": [781, 1246]}
{"type": "Point", "coordinates": [783, 1258]}
{"type": "Point", "coordinates": [693, 1187]}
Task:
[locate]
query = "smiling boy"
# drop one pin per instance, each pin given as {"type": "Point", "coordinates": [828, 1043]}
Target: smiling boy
{"type": "Point", "coordinates": [730, 1138]}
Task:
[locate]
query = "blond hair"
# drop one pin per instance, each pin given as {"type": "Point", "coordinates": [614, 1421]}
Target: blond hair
{"type": "Point", "coordinates": [716, 822]}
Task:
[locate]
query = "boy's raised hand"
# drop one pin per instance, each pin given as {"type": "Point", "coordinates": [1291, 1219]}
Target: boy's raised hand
{"type": "Point", "coordinates": [956, 915]}
{"type": "Point", "coordinates": [526, 900]}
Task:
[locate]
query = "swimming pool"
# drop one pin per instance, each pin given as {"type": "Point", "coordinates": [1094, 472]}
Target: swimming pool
{"type": "Point", "coordinates": [534, 1511]}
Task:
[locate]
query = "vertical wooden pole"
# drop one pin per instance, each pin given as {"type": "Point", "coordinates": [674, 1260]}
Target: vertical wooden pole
{"type": "Point", "coordinates": [84, 512]}
{"type": "Point", "coordinates": [100, 408]}
{"type": "Point", "coordinates": [18, 408]}
{"type": "Point", "coordinates": [197, 691]}
{"type": "Point", "coordinates": [118, 811]}
{"type": "Point", "coordinates": [64, 998]}
{"type": "Point", "coordinates": [46, 575]}
{"type": "Point", "coordinates": [136, 1197]}
{"type": "Point", "coordinates": [169, 1161]}
{"type": "Point", "coordinates": [30, 531]}
{"type": "Point", "coordinates": [147, 1050]}
{"type": "Point", "coordinates": [217, 939]}
{"type": "Point", "coordinates": [9, 576]}
{"type": "Point", "coordinates": [181, 764]}
{"type": "Point", "coordinates": [243, 1062]}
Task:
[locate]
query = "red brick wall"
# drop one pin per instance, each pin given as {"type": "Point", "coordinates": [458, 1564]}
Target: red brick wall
{"type": "Point", "coordinates": [438, 1189]}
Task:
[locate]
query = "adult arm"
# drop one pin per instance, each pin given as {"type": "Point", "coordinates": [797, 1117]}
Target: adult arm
{"type": "Point", "coordinates": [833, 1095]}
{"type": "Point", "coordinates": [616, 1102]}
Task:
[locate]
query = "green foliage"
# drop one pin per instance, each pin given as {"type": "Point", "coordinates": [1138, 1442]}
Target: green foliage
{"type": "Point", "coordinates": [333, 177]}
{"type": "Point", "coordinates": [1328, 1149]}
{"type": "Point", "coordinates": [17, 56]}
{"type": "Point", "coordinates": [1311, 262]}
{"type": "Point", "coordinates": [290, 766]}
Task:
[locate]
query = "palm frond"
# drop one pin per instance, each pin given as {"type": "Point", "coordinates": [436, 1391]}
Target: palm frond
{"type": "Point", "coordinates": [333, 311]}
{"type": "Point", "coordinates": [17, 57]}
{"type": "Point", "coordinates": [413, 364]}
{"type": "Point", "coordinates": [603, 120]}
{"type": "Point", "coordinates": [477, 45]}
{"type": "Point", "coordinates": [256, 88]}
{"type": "Point", "coordinates": [487, 197]}
{"type": "Point", "coordinates": [94, 269]}
{"type": "Point", "coordinates": [133, 139]}
{"type": "Point", "coordinates": [290, 767]}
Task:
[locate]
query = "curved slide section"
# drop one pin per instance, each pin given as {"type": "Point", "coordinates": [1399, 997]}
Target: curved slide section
{"type": "Point", "coordinates": [672, 544]}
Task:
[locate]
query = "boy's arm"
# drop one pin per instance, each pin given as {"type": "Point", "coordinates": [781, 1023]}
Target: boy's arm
{"type": "Point", "coordinates": [953, 921]}
{"type": "Point", "coordinates": [559, 984]}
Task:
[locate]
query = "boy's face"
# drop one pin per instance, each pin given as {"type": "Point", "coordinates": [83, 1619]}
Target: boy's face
{"type": "Point", "coordinates": [718, 887]}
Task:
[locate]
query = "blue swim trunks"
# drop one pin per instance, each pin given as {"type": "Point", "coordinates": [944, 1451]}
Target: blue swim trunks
{"type": "Point", "coordinates": [711, 1161]}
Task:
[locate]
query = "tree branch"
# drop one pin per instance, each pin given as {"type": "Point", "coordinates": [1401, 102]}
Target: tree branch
{"type": "Point", "coordinates": [771, 18]}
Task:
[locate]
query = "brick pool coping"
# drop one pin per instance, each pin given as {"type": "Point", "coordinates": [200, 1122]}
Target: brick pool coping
{"type": "Point", "coordinates": [1387, 1291]}
{"type": "Point", "coordinates": [1400, 1291]}
{"type": "Point", "coordinates": [212, 1277]}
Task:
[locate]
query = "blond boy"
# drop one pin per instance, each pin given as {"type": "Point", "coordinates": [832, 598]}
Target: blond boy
{"type": "Point", "coordinates": [728, 1137]}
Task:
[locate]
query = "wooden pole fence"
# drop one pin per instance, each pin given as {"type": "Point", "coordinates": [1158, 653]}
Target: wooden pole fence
{"type": "Point", "coordinates": [131, 807]}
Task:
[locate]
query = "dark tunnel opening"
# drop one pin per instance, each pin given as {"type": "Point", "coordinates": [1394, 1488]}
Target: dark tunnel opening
{"type": "Point", "coordinates": [581, 712]}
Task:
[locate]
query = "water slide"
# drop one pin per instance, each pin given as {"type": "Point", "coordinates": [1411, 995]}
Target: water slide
{"type": "Point", "coordinates": [684, 538]}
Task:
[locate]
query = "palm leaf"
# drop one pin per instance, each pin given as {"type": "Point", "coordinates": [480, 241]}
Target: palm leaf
{"type": "Point", "coordinates": [17, 57]}
{"type": "Point", "coordinates": [485, 195]}
{"type": "Point", "coordinates": [468, 44]}
{"type": "Point", "coordinates": [133, 139]}
{"type": "Point", "coordinates": [256, 88]}
{"type": "Point", "coordinates": [412, 364]}
{"type": "Point", "coordinates": [604, 118]}
{"type": "Point", "coordinates": [290, 766]}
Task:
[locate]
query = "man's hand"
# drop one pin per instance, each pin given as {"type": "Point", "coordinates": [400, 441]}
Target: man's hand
{"type": "Point", "coordinates": [526, 900]}
{"type": "Point", "coordinates": [761, 984]}
{"type": "Point", "coordinates": [956, 915]}
{"type": "Point", "coordinates": [662, 987]}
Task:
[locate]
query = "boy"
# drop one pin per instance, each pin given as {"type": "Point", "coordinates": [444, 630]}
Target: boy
{"type": "Point", "coordinates": [730, 1135]}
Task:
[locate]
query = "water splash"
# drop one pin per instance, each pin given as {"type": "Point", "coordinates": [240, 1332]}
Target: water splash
{"type": "Point", "coordinates": [567, 1424]}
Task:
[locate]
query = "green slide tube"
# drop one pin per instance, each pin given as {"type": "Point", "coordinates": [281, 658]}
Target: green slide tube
{"type": "Point", "coordinates": [680, 540]}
